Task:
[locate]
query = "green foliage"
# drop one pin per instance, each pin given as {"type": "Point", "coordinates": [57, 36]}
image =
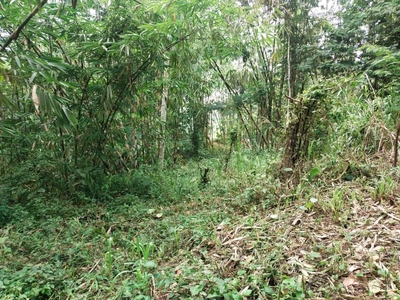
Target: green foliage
{"type": "Point", "coordinates": [291, 288]}
{"type": "Point", "coordinates": [6, 214]}
{"type": "Point", "coordinates": [211, 243]}
{"type": "Point", "coordinates": [384, 188]}
{"type": "Point", "coordinates": [313, 173]}
{"type": "Point", "coordinates": [31, 282]}
{"type": "Point", "coordinates": [336, 204]}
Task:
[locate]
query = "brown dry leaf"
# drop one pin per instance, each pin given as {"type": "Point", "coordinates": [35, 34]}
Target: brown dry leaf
{"type": "Point", "coordinates": [249, 258]}
{"type": "Point", "coordinates": [393, 286]}
{"type": "Point", "coordinates": [356, 208]}
{"type": "Point", "coordinates": [35, 98]}
{"type": "Point", "coordinates": [308, 266]}
{"type": "Point", "coordinates": [393, 295]}
{"type": "Point", "coordinates": [296, 221]}
{"type": "Point", "coordinates": [375, 257]}
{"type": "Point", "coordinates": [178, 272]}
{"type": "Point", "coordinates": [220, 226]}
{"type": "Point", "coordinates": [353, 268]}
{"type": "Point", "coordinates": [304, 275]}
{"type": "Point", "coordinates": [322, 236]}
{"type": "Point", "coordinates": [374, 286]}
{"type": "Point", "coordinates": [234, 240]}
{"type": "Point", "coordinates": [350, 280]}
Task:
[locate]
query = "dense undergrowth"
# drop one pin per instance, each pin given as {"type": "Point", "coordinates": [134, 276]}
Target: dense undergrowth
{"type": "Point", "coordinates": [243, 235]}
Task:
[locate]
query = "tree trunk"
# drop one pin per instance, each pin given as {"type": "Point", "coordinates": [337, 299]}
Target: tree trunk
{"type": "Point", "coordinates": [176, 144]}
{"type": "Point", "coordinates": [396, 144]}
{"type": "Point", "coordinates": [163, 120]}
{"type": "Point", "coordinates": [135, 140]}
{"type": "Point", "coordinates": [289, 83]}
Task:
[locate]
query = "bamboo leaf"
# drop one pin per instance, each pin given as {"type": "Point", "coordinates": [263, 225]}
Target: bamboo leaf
{"type": "Point", "coordinates": [69, 116]}
{"type": "Point", "coordinates": [17, 61]}
{"type": "Point", "coordinates": [6, 102]}
{"type": "Point", "coordinates": [6, 131]}
{"type": "Point", "coordinates": [32, 77]}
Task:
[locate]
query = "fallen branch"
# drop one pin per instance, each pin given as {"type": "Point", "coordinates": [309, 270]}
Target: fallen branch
{"type": "Point", "coordinates": [388, 214]}
{"type": "Point", "coordinates": [94, 267]}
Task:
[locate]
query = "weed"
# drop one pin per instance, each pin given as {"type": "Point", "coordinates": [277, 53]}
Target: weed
{"type": "Point", "coordinates": [336, 204]}
{"type": "Point", "coordinates": [384, 188]}
{"type": "Point", "coordinates": [291, 288]}
{"type": "Point", "coordinates": [109, 256]}
{"type": "Point", "coordinates": [142, 250]}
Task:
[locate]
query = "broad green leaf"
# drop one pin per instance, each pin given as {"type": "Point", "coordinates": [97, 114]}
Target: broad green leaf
{"type": "Point", "coordinates": [246, 292]}
{"type": "Point", "coordinates": [195, 290]}
{"type": "Point", "coordinates": [309, 205]}
{"type": "Point", "coordinates": [314, 172]}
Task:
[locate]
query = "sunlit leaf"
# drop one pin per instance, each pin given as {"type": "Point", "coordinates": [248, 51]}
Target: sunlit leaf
{"type": "Point", "coordinates": [32, 77]}
{"type": "Point", "coordinates": [17, 61]}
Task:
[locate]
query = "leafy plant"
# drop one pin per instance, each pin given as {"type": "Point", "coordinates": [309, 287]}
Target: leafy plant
{"type": "Point", "coordinates": [142, 250]}
{"type": "Point", "coordinates": [291, 288]}
{"type": "Point", "coordinates": [336, 204]}
{"type": "Point", "coordinates": [313, 173]}
{"type": "Point", "coordinates": [384, 188]}
{"type": "Point", "coordinates": [31, 282]}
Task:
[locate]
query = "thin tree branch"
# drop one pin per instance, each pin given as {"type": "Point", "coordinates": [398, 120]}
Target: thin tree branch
{"type": "Point", "coordinates": [231, 91]}
{"type": "Point", "coordinates": [227, 85]}
{"type": "Point", "coordinates": [16, 33]}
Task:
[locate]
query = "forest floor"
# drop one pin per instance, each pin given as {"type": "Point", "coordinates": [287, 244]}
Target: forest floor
{"type": "Point", "coordinates": [243, 235]}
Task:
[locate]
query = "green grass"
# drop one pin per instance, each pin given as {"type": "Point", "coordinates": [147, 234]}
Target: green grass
{"type": "Point", "coordinates": [244, 235]}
